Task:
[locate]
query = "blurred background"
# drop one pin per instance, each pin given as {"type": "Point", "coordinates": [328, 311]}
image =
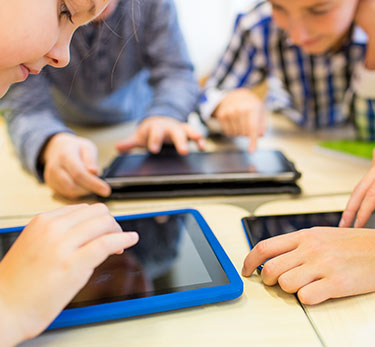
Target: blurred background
{"type": "Point", "coordinates": [207, 26]}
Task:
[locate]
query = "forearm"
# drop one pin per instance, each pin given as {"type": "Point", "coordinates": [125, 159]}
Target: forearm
{"type": "Point", "coordinates": [175, 97]}
{"type": "Point", "coordinates": [31, 118]}
{"type": "Point", "coordinates": [165, 54]}
{"type": "Point", "coordinates": [10, 332]}
{"type": "Point", "coordinates": [29, 133]}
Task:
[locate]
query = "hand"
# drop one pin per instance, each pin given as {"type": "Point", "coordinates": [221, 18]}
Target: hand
{"type": "Point", "coordinates": [241, 113]}
{"type": "Point", "coordinates": [361, 202]}
{"type": "Point", "coordinates": [318, 263]}
{"type": "Point", "coordinates": [365, 17]}
{"type": "Point", "coordinates": [156, 130]}
{"type": "Point", "coordinates": [50, 262]}
{"type": "Point", "coordinates": [71, 167]}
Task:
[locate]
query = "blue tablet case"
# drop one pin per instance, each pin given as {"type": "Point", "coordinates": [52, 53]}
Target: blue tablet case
{"type": "Point", "coordinates": [162, 302]}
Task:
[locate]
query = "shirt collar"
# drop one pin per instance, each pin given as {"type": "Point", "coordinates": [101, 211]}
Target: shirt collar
{"type": "Point", "coordinates": [359, 37]}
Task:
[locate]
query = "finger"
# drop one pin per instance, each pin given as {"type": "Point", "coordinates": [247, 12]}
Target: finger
{"type": "Point", "coordinates": [179, 138]}
{"type": "Point", "coordinates": [95, 252]}
{"type": "Point", "coordinates": [89, 155]}
{"type": "Point", "coordinates": [85, 213]}
{"type": "Point", "coordinates": [244, 121]}
{"type": "Point", "coordinates": [296, 278]}
{"type": "Point", "coordinates": [64, 184]}
{"type": "Point", "coordinates": [155, 139]}
{"type": "Point", "coordinates": [235, 124]}
{"type": "Point", "coordinates": [93, 226]}
{"type": "Point", "coordinates": [262, 122]}
{"type": "Point", "coordinates": [227, 127]}
{"type": "Point", "coordinates": [366, 209]}
{"type": "Point", "coordinates": [268, 249]}
{"type": "Point", "coordinates": [355, 199]}
{"type": "Point", "coordinates": [279, 265]}
{"type": "Point", "coordinates": [81, 177]}
{"type": "Point", "coordinates": [253, 132]}
{"type": "Point", "coordinates": [315, 292]}
{"type": "Point", "coordinates": [128, 144]}
{"type": "Point", "coordinates": [195, 136]}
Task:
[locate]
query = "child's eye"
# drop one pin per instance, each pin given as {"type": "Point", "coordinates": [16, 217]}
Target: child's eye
{"type": "Point", "coordinates": [319, 11]}
{"type": "Point", "coordinates": [276, 7]}
{"type": "Point", "coordinates": [64, 11]}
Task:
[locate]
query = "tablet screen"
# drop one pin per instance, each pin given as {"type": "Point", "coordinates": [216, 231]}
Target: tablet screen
{"type": "Point", "coordinates": [203, 164]}
{"type": "Point", "coordinates": [264, 227]}
{"type": "Point", "coordinates": [172, 255]}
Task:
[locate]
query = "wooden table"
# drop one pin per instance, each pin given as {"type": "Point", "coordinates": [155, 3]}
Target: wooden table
{"type": "Point", "coordinates": [339, 322]}
{"type": "Point", "coordinates": [263, 315]}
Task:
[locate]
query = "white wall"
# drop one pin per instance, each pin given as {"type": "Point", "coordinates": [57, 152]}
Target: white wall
{"type": "Point", "coordinates": [207, 26]}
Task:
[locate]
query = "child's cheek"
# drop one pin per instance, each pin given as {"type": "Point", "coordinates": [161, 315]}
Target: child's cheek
{"type": "Point", "coordinates": [280, 20]}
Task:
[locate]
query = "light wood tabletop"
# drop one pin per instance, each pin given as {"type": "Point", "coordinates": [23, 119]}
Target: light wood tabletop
{"type": "Point", "coordinates": [263, 315]}
{"type": "Point", "coordinates": [339, 322]}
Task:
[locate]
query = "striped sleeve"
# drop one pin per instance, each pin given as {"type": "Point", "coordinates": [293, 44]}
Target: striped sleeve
{"type": "Point", "coordinates": [244, 63]}
{"type": "Point", "coordinates": [360, 102]}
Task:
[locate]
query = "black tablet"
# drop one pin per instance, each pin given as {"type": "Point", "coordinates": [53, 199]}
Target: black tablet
{"type": "Point", "coordinates": [258, 228]}
{"type": "Point", "coordinates": [177, 263]}
{"type": "Point", "coordinates": [264, 227]}
{"type": "Point", "coordinates": [169, 168]}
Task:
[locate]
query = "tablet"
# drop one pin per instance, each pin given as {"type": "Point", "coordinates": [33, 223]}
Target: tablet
{"type": "Point", "coordinates": [168, 168]}
{"type": "Point", "coordinates": [177, 263]}
{"type": "Point", "coordinates": [264, 227]}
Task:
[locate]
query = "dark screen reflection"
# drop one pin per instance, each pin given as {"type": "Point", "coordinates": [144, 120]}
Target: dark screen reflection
{"type": "Point", "coordinates": [172, 255]}
{"type": "Point", "coordinates": [265, 227]}
{"type": "Point", "coordinates": [167, 163]}
{"type": "Point", "coordinates": [136, 272]}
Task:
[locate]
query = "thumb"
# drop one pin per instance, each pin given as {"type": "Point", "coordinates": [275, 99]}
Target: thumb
{"type": "Point", "coordinates": [89, 157]}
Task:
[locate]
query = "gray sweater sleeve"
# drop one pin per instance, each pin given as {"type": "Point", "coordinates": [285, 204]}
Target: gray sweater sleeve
{"type": "Point", "coordinates": [158, 46]}
{"type": "Point", "coordinates": [32, 119]}
{"type": "Point", "coordinates": [176, 91]}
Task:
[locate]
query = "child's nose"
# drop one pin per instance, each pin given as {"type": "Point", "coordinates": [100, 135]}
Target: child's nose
{"type": "Point", "coordinates": [59, 55]}
{"type": "Point", "coordinates": [298, 32]}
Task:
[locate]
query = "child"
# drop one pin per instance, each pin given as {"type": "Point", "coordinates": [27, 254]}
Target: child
{"type": "Point", "coordinates": [132, 64]}
{"type": "Point", "coordinates": [318, 57]}
{"type": "Point", "coordinates": [57, 252]}
{"type": "Point", "coordinates": [323, 263]}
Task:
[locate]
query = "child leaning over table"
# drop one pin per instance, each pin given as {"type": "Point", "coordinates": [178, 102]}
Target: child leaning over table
{"type": "Point", "coordinates": [130, 64]}
{"type": "Point", "coordinates": [319, 56]}
{"type": "Point", "coordinates": [323, 53]}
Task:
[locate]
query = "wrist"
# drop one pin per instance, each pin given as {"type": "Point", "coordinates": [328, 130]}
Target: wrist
{"type": "Point", "coordinates": [46, 148]}
{"type": "Point", "coordinates": [10, 331]}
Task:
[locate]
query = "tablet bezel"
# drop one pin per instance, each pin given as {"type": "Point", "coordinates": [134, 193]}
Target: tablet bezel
{"type": "Point", "coordinates": [160, 302]}
{"type": "Point", "coordinates": [283, 177]}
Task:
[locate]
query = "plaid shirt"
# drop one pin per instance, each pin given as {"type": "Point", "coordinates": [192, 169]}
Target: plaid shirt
{"type": "Point", "coordinates": [315, 91]}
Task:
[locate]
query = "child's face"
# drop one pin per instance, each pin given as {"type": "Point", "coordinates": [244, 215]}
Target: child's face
{"type": "Point", "coordinates": [315, 25]}
{"type": "Point", "coordinates": [36, 33]}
